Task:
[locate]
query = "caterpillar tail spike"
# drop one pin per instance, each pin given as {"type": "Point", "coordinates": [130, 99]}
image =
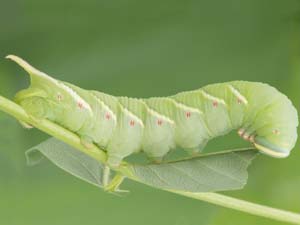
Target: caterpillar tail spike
{"type": "Point", "coordinates": [123, 126]}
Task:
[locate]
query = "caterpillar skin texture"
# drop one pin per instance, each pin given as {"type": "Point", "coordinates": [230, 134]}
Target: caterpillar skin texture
{"type": "Point", "coordinates": [122, 125]}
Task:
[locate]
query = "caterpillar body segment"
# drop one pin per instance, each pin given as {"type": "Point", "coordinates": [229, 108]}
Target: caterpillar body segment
{"type": "Point", "coordinates": [99, 126]}
{"type": "Point", "coordinates": [158, 133]}
{"type": "Point", "coordinates": [214, 110]}
{"type": "Point", "coordinates": [190, 132]}
{"type": "Point", "coordinates": [123, 126]}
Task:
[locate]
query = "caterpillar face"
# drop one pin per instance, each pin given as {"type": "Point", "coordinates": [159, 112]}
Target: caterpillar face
{"type": "Point", "coordinates": [277, 138]}
{"type": "Point", "coordinates": [123, 126]}
{"type": "Point", "coordinates": [33, 101]}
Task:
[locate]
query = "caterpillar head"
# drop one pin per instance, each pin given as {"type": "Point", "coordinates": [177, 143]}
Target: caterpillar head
{"type": "Point", "coordinates": [51, 99]}
{"type": "Point", "coordinates": [279, 137]}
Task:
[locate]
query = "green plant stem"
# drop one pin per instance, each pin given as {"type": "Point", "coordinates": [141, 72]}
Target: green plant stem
{"type": "Point", "coordinates": [72, 139]}
{"type": "Point", "coordinates": [51, 128]}
{"type": "Point", "coordinates": [244, 206]}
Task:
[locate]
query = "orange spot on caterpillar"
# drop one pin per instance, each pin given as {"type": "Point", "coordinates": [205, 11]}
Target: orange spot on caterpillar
{"type": "Point", "coordinates": [246, 137]}
{"type": "Point", "coordinates": [188, 114]}
{"type": "Point", "coordinates": [107, 116]}
{"type": "Point", "coordinates": [215, 104]}
{"type": "Point", "coordinates": [159, 122]}
{"type": "Point", "coordinates": [132, 123]}
{"type": "Point", "coordinates": [59, 97]}
{"type": "Point", "coordinates": [239, 101]}
{"type": "Point", "coordinates": [277, 132]}
{"type": "Point", "coordinates": [80, 105]}
{"type": "Point", "coordinates": [241, 132]}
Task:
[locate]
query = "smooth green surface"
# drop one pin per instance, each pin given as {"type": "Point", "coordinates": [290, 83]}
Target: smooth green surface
{"type": "Point", "coordinates": [67, 158]}
{"type": "Point", "coordinates": [143, 48]}
{"type": "Point", "coordinates": [211, 173]}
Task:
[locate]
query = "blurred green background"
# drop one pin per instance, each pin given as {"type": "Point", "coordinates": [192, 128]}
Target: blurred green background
{"type": "Point", "coordinates": [143, 48]}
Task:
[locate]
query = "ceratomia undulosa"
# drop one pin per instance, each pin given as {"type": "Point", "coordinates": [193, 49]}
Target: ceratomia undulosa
{"type": "Point", "coordinates": [122, 125]}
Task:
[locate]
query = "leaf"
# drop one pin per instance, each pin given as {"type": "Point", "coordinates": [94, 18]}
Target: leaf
{"type": "Point", "coordinates": [67, 158]}
{"type": "Point", "coordinates": [208, 173]}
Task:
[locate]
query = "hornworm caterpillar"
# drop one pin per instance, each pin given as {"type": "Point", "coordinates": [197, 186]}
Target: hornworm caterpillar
{"type": "Point", "coordinates": [122, 125]}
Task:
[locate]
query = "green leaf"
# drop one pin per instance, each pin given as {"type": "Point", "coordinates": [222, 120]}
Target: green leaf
{"type": "Point", "coordinates": [208, 173]}
{"type": "Point", "coordinates": [67, 158]}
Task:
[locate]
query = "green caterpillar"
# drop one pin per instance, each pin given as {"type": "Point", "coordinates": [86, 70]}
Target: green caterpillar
{"type": "Point", "coordinates": [123, 126]}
